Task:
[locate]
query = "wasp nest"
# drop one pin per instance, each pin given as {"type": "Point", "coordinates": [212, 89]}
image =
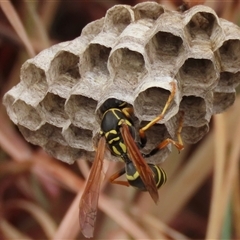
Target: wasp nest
{"type": "Point", "coordinates": [133, 54]}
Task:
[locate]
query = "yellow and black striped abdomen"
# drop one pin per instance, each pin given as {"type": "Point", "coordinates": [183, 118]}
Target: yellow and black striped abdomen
{"type": "Point", "coordinates": [160, 175]}
{"type": "Point", "coordinates": [135, 180]}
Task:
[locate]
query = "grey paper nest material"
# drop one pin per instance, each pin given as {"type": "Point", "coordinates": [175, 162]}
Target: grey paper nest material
{"type": "Point", "coordinates": [132, 54]}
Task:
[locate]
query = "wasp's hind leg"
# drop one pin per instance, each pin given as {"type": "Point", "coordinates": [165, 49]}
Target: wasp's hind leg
{"type": "Point", "coordinates": [116, 175]}
{"type": "Point", "coordinates": [178, 144]}
{"type": "Point", "coordinates": [142, 130]}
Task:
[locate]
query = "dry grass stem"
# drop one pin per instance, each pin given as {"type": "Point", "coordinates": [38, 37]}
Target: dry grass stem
{"type": "Point", "coordinates": [14, 19]}
{"type": "Point", "coordinates": [175, 161]}
{"type": "Point", "coordinates": [236, 206]}
{"type": "Point", "coordinates": [11, 232]}
{"type": "Point", "coordinates": [216, 213]}
{"type": "Point", "coordinates": [66, 177]}
{"type": "Point", "coordinates": [15, 168]}
{"type": "Point", "coordinates": [68, 228]}
{"type": "Point", "coordinates": [149, 221]}
{"type": "Point", "coordinates": [125, 221]}
{"type": "Point", "coordinates": [46, 222]}
{"type": "Point", "coordinates": [12, 143]}
{"type": "Point", "coordinates": [225, 168]}
{"type": "Point", "coordinates": [232, 170]}
{"type": "Point", "coordinates": [83, 167]}
{"type": "Point", "coordinates": [185, 183]}
{"type": "Point", "coordinates": [48, 12]}
{"type": "Point", "coordinates": [37, 29]}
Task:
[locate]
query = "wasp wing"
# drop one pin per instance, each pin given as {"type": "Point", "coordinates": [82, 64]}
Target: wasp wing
{"type": "Point", "coordinates": [89, 201]}
{"type": "Point", "coordinates": [142, 167]}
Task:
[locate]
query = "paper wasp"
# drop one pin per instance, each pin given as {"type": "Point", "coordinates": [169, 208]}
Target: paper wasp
{"type": "Point", "coordinates": [118, 134]}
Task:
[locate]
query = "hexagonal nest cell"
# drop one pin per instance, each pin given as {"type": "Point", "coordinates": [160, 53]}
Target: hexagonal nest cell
{"type": "Point", "coordinates": [65, 63]}
{"type": "Point", "coordinates": [81, 111]}
{"type": "Point", "coordinates": [78, 137]}
{"type": "Point", "coordinates": [134, 54]}
{"type": "Point", "coordinates": [33, 76]}
{"type": "Point", "coordinates": [95, 59]}
{"type": "Point", "coordinates": [165, 45]}
{"type": "Point", "coordinates": [129, 67]}
{"type": "Point", "coordinates": [53, 109]}
{"type": "Point", "coordinates": [201, 25]}
{"type": "Point", "coordinates": [27, 115]}
{"type": "Point", "coordinates": [194, 109]}
{"type": "Point", "coordinates": [197, 72]}
{"type": "Point", "coordinates": [148, 11]}
{"type": "Point", "coordinates": [151, 102]}
{"type": "Point", "coordinates": [155, 135]}
{"type": "Point", "coordinates": [230, 59]}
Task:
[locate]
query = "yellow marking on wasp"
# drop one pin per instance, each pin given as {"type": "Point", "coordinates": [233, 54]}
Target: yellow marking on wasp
{"type": "Point", "coordinates": [115, 114]}
{"type": "Point", "coordinates": [127, 111]}
{"type": "Point", "coordinates": [133, 177]}
{"type": "Point", "coordinates": [159, 173]}
{"type": "Point", "coordinates": [113, 111]}
{"type": "Point", "coordinates": [123, 104]}
{"type": "Point", "coordinates": [115, 150]}
{"type": "Point", "coordinates": [122, 121]}
{"type": "Point", "coordinates": [114, 140]}
{"type": "Point", "coordinates": [123, 147]}
{"type": "Point", "coordinates": [162, 175]}
{"type": "Point", "coordinates": [114, 132]}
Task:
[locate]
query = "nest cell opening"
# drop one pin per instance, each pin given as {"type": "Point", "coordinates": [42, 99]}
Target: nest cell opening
{"type": "Point", "coordinates": [155, 135]}
{"type": "Point", "coordinates": [33, 76]}
{"type": "Point", "coordinates": [37, 137]}
{"type": "Point", "coordinates": [33, 94]}
{"type": "Point", "coordinates": [165, 46]}
{"type": "Point", "coordinates": [36, 85]}
{"type": "Point", "coordinates": [150, 103]}
{"type": "Point", "coordinates": [53, 108]}
{"type": "Point", "coordinates": [228, 80]}
{"type": "Point", "coordinates": [149, 10]}
{"type": "Point", "coordinates": [129, 66]}
{"type": "Point", "coordinates": [117, 19]}
{"type": "Point", "coordinates": [198, 72]}
{"type": "Point", "coordinates": [230, 55]}
{"type": "Point", "coordinates": [41, 136]}
{"type": "Point", "coordinates": [194, 109]}
{"type": "Point", "coordinates": [63, 152]}
{"type": "Point", "coordinates": [223, 100]}
{"type": "Point", "coordinates": [52, 133]}
{"type": "Point", "coordinates": [202, 25]}
{"type": "Point", "coordinates": [78, 137]}
{"type": "Point", "coordinates": [81, 111]}
{"type": "Point", "coordinates": [27, 115]}
{"type": "Point", "coordinates": [65, 63]}
{"type": "Point", "coordinates": [63, 85]}
{"type": "Point", "coordinates": [95, 59]}
{"type": "Point", "coordinates": [192, 135]}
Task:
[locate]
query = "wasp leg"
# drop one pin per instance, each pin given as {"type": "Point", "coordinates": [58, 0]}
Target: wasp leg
{"type": "Point", "coordinates": [128, 111]}
{"type": "Point", "coordinates": [142, 134]}
{"type": "Point", "coordinates": [116, 175]}
{"type": "Point", "coordinates": [162, 145]}
{"type": "Point", "coordinates": [178, 144]}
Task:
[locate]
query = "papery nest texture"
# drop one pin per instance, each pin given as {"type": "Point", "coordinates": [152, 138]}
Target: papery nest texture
{"type": "Point", "coordinates": [133, 54]}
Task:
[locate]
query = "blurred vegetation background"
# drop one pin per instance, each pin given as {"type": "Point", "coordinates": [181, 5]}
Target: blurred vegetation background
{"type": "Point", "coordinates": [39, 195]}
